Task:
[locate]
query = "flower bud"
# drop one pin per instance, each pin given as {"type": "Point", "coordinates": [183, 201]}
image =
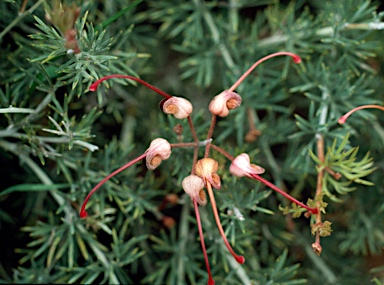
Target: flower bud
{"type": "Point", "coordinates": [317, 248]}
{"type": "Point", "coordinates": [179, 107]}
{"type": "Point", "coordinates": [172, 198]}
{"type": "Point", "coordinates": [241, 166]}
{"type": "Point", "coordinates": [168, 222]}
{"type": "Point", "coordinates": [225, 101]}
{"type": "Point", "coordinates": [158, 150]}
{"type": "Point", "coordinates": [193, 185]}
{"type": "Point", "coordinates": [206, 169]}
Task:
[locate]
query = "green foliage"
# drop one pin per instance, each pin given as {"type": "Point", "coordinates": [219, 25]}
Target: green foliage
{"type": "Point", "coordinates": [58, 140]}
{"type": "Point", "coordinates": [278, 274]}
{"type": "Point", "coordinates": [340, 163]}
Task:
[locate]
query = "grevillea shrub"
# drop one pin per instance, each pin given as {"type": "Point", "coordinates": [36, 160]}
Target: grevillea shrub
{"type": "Point", "coordinates": [259, 163]}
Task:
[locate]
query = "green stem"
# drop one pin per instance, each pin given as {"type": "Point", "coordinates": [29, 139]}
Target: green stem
{"type": "Point", "coordinates": [19, 18]}
{"type": "Point", "coordinates": [14, 128]}
{"type": "Point", "coordinates": [15, 110]}
{"type": "Point", "coordinates": [323, 32]}
{"type": "Point", "coordinates": [234, 15]}
{"type": "Point", "coordinates": [324, 106]}
{"type": "Point", "coordinates": [320, 154]}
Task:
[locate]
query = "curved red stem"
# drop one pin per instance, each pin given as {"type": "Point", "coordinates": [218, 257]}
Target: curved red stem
{"type": "Point", "coordinates": [345, 116]}
{"type": "Point", "coordinates": [83, 212]}
{"type": "Point", "coordinates": [295, 58]}
{"type": "Point", "coordinates": [210, 279]}
{"type": "Point", "coordinates": [239, 258]}
{"type": "Point", "coordinates": [95, 85]}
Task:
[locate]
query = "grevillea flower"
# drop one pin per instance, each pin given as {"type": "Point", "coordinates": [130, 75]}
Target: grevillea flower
{"type": "Point", "coordinates": [159, 150]}
{"type": "Point", "coordinates": [225, 101]}
{"type": "Point", "coordinates": [179, 107]}
{"type": "Point", "coordinates": [193, 185]}
{"type": "Point", "coordinates": [345, 117]}
{"type": "Point", "coordinates": [206, 168]}
{"type": "Point", "coordinates": [241, 166]}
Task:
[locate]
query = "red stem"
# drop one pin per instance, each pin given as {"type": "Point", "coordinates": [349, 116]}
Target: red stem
{"type": "Point", "coordinates": [210, 279]}
{"type": "Point", "coordinates": [286, 195]}
{"type": "Point", "coordinates": [239, 258]}
{"type": "Point", "coordinates": [193, 131]}
{"type": "Point", "coordinates": [295, 57]}
{"type": "Point", "coordinates": [209, 135]}
{"type": "Point", "coordinates": [345, 117]}
{"type": "Point", "coordinates": [223, 152]}
{"type": "Point", "coordinates": [83, 212]}
{"type": "Point", "coordinates": [95, 85]}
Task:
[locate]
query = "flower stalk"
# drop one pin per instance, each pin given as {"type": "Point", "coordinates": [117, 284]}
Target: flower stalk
{"type": "Point", "coordinates": [285, 194]}
{"type": "Point", "coordinates": [295, 57]}
{"type": "Point", "coordinates": [345, 116]}
{"type": "Point", "coordinates": [241, 166]}
{"type": "Point", "coordinates": [96, 84]}
{"type": "Point", "coordinates": [201, 234]}
{"type": "Point", "coordinates": [316, 246]}
{"type": "Point", "coordinates": [159, 150]}
{"type": "Point", "coordinates": [83, 212]}
{"type": "Point", "coordinates": [239, 258]}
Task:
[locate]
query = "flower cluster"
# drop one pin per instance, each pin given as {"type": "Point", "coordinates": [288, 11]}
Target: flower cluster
{"type": "Point", "coordinates": [204, 171]}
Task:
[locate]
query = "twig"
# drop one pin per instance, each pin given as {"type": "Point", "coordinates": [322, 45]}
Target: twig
{"type": "Point", "coordinates": [19, 18]}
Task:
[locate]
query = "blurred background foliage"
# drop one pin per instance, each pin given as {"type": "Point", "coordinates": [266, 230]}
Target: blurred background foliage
{"type": "Point", "coordinates": [58, 140]}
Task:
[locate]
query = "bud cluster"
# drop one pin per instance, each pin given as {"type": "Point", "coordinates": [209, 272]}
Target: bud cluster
{"type": "Point", "coordinates": [204, 171]}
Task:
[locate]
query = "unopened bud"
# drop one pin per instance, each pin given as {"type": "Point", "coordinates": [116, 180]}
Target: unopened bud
{"type": "Point", "coordinates": [172, 198]}
{"type": "Point", "coordinates": [179, 107]}
{"type": "Point", "coordinates": [225, 101]}
{"type": "Point", "coordinates": [168, 222]}
{"type": "Point", "coordinates": [206, 168]}
{"type": "Point", "coordinates": [159, 150]}
{"type": "Point", "coordinates": [193, 185]}
{"type": "Point", "coordinates": [241, 166]}
{"type": "Point", "coordinates": [317, 248]}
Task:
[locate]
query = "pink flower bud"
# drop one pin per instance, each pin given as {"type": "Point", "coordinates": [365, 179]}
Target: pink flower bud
{"type": "Point", "coordinates": [225, 101]}
{"type": "Point", "coordinates": [206, 169]}
{"type": "Point", "coordinates": [158, 150]}
{"type": "Point", "coordinates": [241, 166]}
{"type": "Point", "coordinates": [179, 107]}
{"type": "Point", "coordinates": [193, 185]}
